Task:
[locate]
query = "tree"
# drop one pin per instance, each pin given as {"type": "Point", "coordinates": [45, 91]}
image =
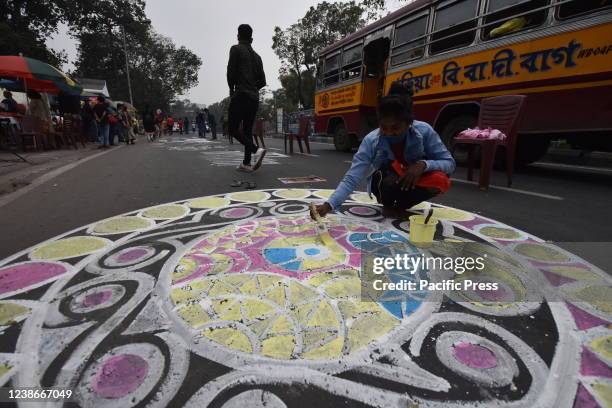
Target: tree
{"type": "Point", "coordinates": [25, 26]}
{"type": "Point", "coordinates": [297, 46]}
{"type": "Point", "coordinates": [159, 70]}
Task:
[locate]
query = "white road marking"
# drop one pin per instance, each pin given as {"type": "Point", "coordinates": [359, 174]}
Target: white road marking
{"type": "Point", "coordinates": [307, 154]}
{"type": "Point", "coordinates": [514, 190]}
{"type": "Point", "coordinates": [571, 167]}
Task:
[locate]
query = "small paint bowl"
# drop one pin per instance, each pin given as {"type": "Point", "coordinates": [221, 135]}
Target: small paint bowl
{"type": "Point", "coordinates": [422, 234]}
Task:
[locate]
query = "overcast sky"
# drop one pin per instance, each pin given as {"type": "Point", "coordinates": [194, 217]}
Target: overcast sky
{"type": "Point", "coordinates": [208, 28]}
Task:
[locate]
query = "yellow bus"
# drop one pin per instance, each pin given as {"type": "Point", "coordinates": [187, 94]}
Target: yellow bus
{"type": "Point", "coordinates": [456, 52]}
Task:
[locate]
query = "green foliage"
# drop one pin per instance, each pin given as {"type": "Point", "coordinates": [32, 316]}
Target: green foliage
{"type": "Point", "coordinates": [159, 70]}
{"type": "Point", "coordinates": [26, 24]}
{"type": "Point", "coordinates": [322, 25]}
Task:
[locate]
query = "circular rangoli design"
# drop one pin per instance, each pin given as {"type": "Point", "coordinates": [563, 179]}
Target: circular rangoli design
{"type": "Point", "coordinates": [235, 300]}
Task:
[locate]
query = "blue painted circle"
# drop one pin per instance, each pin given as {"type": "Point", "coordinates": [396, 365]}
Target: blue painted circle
{"type": "Point", "coordinates": [312, 251]}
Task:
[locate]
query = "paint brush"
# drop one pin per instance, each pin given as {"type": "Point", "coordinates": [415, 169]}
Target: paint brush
{"type": "Point", "coordinates": [428, 216]}
{"type": "Point", "coordinates": [320, 226]}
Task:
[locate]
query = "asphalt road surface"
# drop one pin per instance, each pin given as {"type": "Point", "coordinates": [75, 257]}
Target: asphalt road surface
{"type": "Point", "coordinates": [568, 205]}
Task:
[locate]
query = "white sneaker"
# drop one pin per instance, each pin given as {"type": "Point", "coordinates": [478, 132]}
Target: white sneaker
{"type": "Point", "coordinates": [259, 156]}
{"type": "Point", "coordinates": [245, 168]}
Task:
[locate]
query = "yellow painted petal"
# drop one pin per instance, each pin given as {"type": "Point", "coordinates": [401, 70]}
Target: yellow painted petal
{"type": "Point", "coordinates": [600, 297]}
{"type": "Point", "coordinates": [573, 272]}
{"type": "Point", "coordinates": [249, 196]}
{"type": "Point", "coordinates": [280, 347]}
{"type": "Point", "coordinates": [452, 214]}
{"type": "Point", "coordinates": [9, 312]}
{"type": "Point", "coordinates": [319, 278]}
{"type": "Point", "coordinates": [250, 287]}
{"type": "Point", "coordinates": [281, 325]}
{"type": "Point", "coordinates": [499, 232]}
{"type": "Point", "coordinates": [368, 328]}
{"type": "Point", "coordinates": [277, 295]}
{"type": "Point", "coordinates": [326, 351]}
{"type": "Point", "coordinates": [603, 346]}
{"type": "Point", "coordinates": [324, 316]}
{"type": "Point", "coordinates": [324, 194]}
{"type": "Point", "coordinates": [343, 288]}
{"type": "Point", "coordinates": [299, 293]}
{"type": "Point", "coordinates": [256, 308]}
{"type": "Point", "coordinates": [209, 202]}
{"type": "Point", "coordinates": [69, 248]}
{"type": "Point", "coordinates": [228, 310]}
{"type": "Point", "coordinates": [292, 193]}
{"type": "Point", "coordinates": [121, 225]}
{"type": "Point", "coordinates": [166, 212]}
{"type": "Point", "coordinates": [603, 392]}
{"type": "Point", "coordinates": [231, 338]}
{"type": "Point", "coordinates": [195, 315]}
{"type": "Point", "coordinates": [541, 253]}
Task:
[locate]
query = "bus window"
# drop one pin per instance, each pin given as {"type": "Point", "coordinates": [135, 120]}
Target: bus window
{"type": "Point", "coordinates": [320, 72]}
{"type": "Point", "coordinates": [459, 17]}
{"type": "Point", "coordinates": [351, 62]}
{"type": "Point", "coordinates": [332, 70]}
{"type": "Point", "coordinates": [403, 48]}
{"type": "Point", "coordinates": [576, 7]}
{"type": "Point", "coordinates": [511, 16]}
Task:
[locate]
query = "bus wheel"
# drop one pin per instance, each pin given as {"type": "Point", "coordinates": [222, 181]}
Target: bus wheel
{"type": "Point", "coordinates": [453, 128]}
{"type": "Point", "coordinates": [342, 140]}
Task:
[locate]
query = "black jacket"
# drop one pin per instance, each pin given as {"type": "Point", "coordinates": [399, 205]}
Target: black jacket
{"type": "Point", "coordinates": [245, 72]}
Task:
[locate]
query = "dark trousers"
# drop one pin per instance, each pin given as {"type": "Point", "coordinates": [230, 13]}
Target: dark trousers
{"type": "Point", "coordinates": [391, 194]}
{"type": "Point", "coordinates": [242, 110]}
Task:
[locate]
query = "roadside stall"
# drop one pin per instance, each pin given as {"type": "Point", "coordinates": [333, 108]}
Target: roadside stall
{"type": "Point", "coordinates": [31, 124]}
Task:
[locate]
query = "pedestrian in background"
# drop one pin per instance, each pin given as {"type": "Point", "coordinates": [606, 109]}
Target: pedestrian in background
{"type": "Point", "coordinates": [186, 124]}
{"type": "Point", "coordinates": [159, 123]}
{"type": "Point", "coordinates": [125, 125]}
{"type": "Point", "coordinates": [170, 124]}
{"type": "Point", "coordinates": [201, 123]}
{"type": "Point", "coordinates": [181, 123]}
{"type": "Point", "coordinates": [212, 122]}
{"type": "Point", "coordinates": [89, 123]}
{"type": "Point", "coordinates": [245, 77]}
{"type": "Point", "coordinates": [149, 123]}
{"type": "Point", "coordinates": [113, 121]}
{"type": "Point", "coordinates": [101, 117]}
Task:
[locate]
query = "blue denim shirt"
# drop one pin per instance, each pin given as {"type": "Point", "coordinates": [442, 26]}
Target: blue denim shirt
{"type": "Point", "coordinates": [422, 143]}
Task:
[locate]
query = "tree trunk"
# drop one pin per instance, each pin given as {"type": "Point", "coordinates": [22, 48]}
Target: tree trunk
{"type": "Point", "coordinates": [299, 86]}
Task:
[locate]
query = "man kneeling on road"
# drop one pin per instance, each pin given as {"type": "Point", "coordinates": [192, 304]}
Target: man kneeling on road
{"type": "Point", "coordinates": [245, 77]}
{"type": "Point", "coordinates": [404, 160]}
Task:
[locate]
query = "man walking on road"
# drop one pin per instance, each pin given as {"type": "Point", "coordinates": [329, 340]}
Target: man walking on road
{"type": "Point", "coordinates": [245, 77]}
{"type": "Point", "coordinates": [212, 122]}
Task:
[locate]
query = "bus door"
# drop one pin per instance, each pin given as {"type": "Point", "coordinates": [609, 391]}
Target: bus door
{"type": "Point", "coordinates": [375, 56]}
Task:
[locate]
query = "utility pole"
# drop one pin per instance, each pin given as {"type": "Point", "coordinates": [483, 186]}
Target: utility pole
{"type": "Point", "coordinates": [127, 67]}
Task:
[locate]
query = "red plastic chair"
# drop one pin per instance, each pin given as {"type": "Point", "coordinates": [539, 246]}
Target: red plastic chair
{"type": "Point", "coordinates": [303, 134]}
{"type": "Point", "coordinates": [503, 113]}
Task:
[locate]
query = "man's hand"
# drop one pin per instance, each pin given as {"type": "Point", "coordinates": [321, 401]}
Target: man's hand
{"type": "Point", "coordinates": [322, 210]}
{"type": "Point", "coordinates": [413, 174]}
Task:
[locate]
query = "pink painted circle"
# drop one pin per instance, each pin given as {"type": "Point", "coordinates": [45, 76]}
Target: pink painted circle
{"type": "Point", "coordinates": [120, 375]}
{"type": "Point", "coordinates": [22, 276]}
{"type": "Point", "coordinates": [474, 355]}
{"type": "Point", "coordinates": [239, 212]}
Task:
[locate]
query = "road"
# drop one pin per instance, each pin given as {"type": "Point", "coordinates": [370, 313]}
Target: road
{"type": "Point", "coordinates": [230, 297]}
{"type": "Point", "coordinates": [563, 204]}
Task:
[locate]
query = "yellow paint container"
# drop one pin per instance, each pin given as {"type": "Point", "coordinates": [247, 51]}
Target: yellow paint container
{"type": "Point", "coordinates": [422, 234]}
